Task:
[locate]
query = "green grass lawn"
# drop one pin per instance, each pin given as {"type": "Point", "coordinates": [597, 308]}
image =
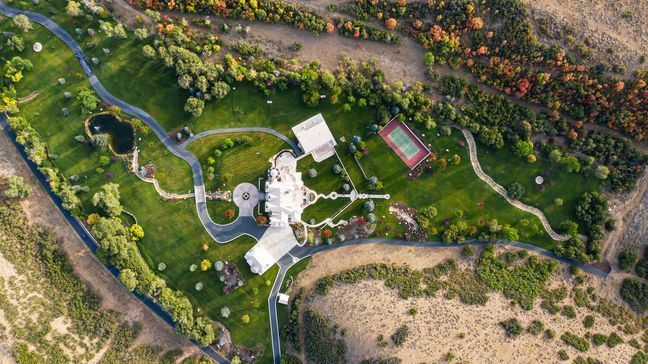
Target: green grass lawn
{"type": "Point", "coordinates": [241, 163]}
{"type": "Point", "coordinates": [325, 183]}
{"type": "Point", "coordinates": [174, 234]}
{"type": "Point", "coordinates": [558, 183]}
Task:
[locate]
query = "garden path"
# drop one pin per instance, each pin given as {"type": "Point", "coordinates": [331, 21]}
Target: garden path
{"type": "Point", "coordinates": [472, 147]}
{"type": "Point", "coordinates": [167, 196]}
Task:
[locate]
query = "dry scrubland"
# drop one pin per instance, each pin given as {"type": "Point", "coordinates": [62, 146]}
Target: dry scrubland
{"type": "Point", "coordinates": [23, 288]}
{"type": "Point", "coordinates": [620, 26]}
{"type": "Point", "coordinates": [369, 309]}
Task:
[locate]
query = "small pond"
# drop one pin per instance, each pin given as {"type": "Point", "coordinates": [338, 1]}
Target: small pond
{"type": "Point", "coordinates": [121, 133]}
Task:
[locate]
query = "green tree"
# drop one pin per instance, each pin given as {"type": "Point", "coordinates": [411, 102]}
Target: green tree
{"type": "Point", "coordinates": [22, 22]}
{"type": "Point", "coordinates": [73, 8]}
{"type": "Point", "coordinates": [627, 260]}
{"type": "Point", "coordinates": [149, 52]}
{"type": "Point", "coordinates": [194, 106]}
{"type": "Point", "coordinates": [523, 148]}
{"type": "Point", "coordinates": [87, 99]}
{"type": "Point", "coordinates": [136, 232]}
{"type": "Point", "coordinates": [128, 279]}
{"type": "Point", "coordinates": [571, 164]}
{"type": "Point", "coordinates": [141, 33]}
{"type": "Point", "coordinates": [108, 199]}
{"type": "Point", "coordinates": [602, 172]}
{"type": "Point", "coordinates": [17, 188]}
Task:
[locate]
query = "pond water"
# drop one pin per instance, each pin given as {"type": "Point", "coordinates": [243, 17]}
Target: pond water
{"type": "Point", "coordinates": [121, 133]}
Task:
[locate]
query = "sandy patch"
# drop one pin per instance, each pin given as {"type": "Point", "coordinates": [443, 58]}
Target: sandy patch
{"type": "Point", "coordinates": [6, 268]}
{"type": "Point", "coordinates": [435, 330]}
{"type": "Point", "coordinates": [369, 308]}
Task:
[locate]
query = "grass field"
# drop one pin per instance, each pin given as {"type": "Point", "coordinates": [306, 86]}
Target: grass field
{"type": "Point", "coordinates": [325, 183]}
{"type": "Point", "coordinates": [558, 183]}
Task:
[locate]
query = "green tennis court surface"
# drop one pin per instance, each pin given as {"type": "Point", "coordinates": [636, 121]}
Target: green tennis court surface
{"type": "Point", "coordinates": [403, 142]}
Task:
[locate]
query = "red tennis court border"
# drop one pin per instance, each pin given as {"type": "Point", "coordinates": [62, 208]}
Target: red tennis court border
{"type": "Point", "coordinates": [419, 157]}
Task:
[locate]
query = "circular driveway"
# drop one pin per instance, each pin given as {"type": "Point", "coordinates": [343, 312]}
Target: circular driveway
{"type": "Point", "coordinates": [246, 197]}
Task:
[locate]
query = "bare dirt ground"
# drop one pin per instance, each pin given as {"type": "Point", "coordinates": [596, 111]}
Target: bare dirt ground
{"type": "Point", "coordinates": [630, 212]}
{"type": "Point", "coordinates": [620, 25]}
{"type": "Point", "coordinates": [41, 210]}
{"type": "Point", "coordinates": [435, 330]}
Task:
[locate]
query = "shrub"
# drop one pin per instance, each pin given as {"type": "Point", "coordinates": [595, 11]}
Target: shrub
{"type": "Point", "coordinates": [575, 341]}
{"type": "Point", "coordinates": [512, 327]}
{"type": "Point", "coordinates": [400, 336]}
{"type": "Point", "coordinates": [468, 251]}
{"type": "Point", "coordinates": [598, 339]}
{"type": "Point", "coordinates": [245, 318]}
{"type": "Point", "coordinates": [568, 311]}
{"type": "Point", "coordinates": [17, 188]}
{"type": "Point", "coordinates": [613, 340]}
{"type": "Point", "coordinates": [588, 321]}
{"type": "Point", "coordinates": [635, 293]}
{"type": "Point", "coordinates": [562, 355]}
{"type": "Point", "coordinates": [549, 334]}
{"type": "Point", "coordinates": [535, 327]}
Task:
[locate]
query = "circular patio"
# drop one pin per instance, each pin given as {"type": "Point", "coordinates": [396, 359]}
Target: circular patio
{"type": "Point", "coordinates": [246, 197]}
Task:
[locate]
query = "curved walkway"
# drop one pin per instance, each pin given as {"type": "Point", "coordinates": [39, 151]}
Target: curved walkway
{"type": "Point", "coordinates": [244, 129]}
{"type": "Point", "coordinates": [472, 146]}
{"type": "Point", "coordinates": [220, 233]}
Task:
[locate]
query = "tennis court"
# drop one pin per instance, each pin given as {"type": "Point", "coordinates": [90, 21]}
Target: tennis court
{"type": "Point", "coordinates": [405, 143]}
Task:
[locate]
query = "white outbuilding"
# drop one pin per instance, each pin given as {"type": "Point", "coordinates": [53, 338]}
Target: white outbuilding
{"type": "Point", "coordinates": [315, 137]}
{"type": "Point", "coordinates": [283, 298]}
{"type": "Point", "coordinates": [37, 47]}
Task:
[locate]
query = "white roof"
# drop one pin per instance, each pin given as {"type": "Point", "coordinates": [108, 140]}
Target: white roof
{"type": "Point", "coordinates": [283, 298]}
{"type": "Point", "coordinates": [274, 244]}
{"type": "Point", "coordinates": [313, 134]}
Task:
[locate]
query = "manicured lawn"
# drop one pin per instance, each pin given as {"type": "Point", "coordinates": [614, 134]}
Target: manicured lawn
{"type": "Point", "coordinates": [506, 168]}
{"type": "Point", "coordinates": [325, 183]}
{"type": "Point", "coordinates": [241, 163]}
{"type": "Point", "coordinates": [173, 233]}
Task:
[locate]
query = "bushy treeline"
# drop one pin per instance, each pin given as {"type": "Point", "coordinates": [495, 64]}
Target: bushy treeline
{"type": "Point", "coordinates": [290, 330]}
{"type": "Point", "coordinates": [268, 11]}
{"type": "Point", "coordinates": [31, 248]}
{"type": "Point", "coordinates": [38, 153]}
{"type": "Point", "coordinates": [408, 281]}
{"type": "Point", "coordinates": [357, 29]}
{"type": "Point", "coordinates": [321, 343]}
{"type": "Point", "coordinates": [521, 283]}
{"type": "Point", "coordinates": [119, 249]}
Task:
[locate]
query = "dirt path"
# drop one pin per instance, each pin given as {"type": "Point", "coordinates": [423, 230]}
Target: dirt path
{"type": "Point", "coordinates": [41, 210]}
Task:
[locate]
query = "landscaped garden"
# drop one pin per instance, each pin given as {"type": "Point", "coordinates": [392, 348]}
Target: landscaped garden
{"type": "Point", "coordinates": [444, 195]}
{"type": "Point", "coordinates": [173, 233]}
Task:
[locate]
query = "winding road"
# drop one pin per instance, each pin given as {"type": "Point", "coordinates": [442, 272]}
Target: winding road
{"type": "Point", "coordinates": [247, 225]}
